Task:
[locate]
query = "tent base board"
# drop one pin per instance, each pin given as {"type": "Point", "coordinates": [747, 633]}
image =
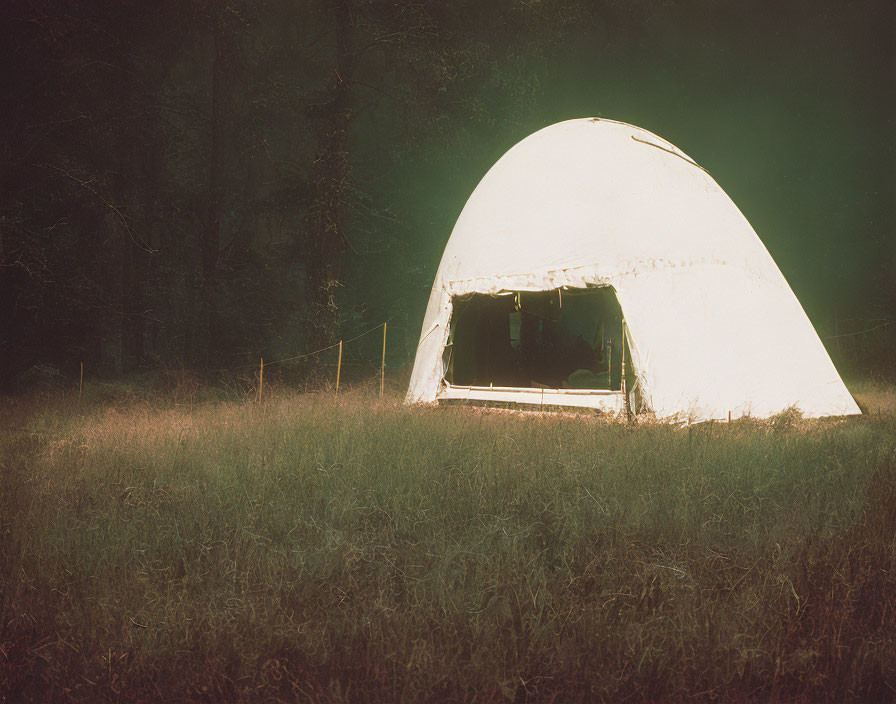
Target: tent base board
{"type": "Point", "coordinates": [600, 399]}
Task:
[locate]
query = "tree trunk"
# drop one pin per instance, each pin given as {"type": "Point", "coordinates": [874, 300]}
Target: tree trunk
{"type": "Point", "coordinates": [131, 253]}
{"type": "Point", "coordinates": [330, 186]}
{"type": "Point", "coordinates": [209, 328]}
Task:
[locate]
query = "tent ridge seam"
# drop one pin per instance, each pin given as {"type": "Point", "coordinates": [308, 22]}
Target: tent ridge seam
{"type": "Point", "coordinates": [633, 268]}
{"type": "Point", "coordinates": [673, 153]}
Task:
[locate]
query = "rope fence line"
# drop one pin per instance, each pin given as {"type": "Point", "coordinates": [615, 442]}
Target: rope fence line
{"type": "Point", "coordinates": [383, 324]}
{"type": "Point", "coordinates": [341, 362]}
{"type": "Point", "coordinates": [338, 365]}
{"type": "Point", "coordinates": [252, 365]}
{"type": "Point", "coordinates": [324, 349]}
{"type": "Point", "coordinates": [860, 332]}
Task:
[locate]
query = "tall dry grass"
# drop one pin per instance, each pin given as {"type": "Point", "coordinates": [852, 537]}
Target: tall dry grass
{"type": "Point", "coordinates": [321, 549]}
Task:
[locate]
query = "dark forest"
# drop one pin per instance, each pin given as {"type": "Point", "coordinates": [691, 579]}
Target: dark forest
{"type": "Point", "coordinates": [194, 184]}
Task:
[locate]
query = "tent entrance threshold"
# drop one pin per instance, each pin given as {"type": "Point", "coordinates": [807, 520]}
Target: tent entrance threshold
{"type": "Point", "coordinates": [606, 400]}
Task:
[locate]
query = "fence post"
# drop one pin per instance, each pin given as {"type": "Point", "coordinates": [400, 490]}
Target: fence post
{"type": "Point", "coordinates": [338, 367]}
{"type": "Point", "coordinates": [383, 364]}
{"type": "Point", "coordinates": [260, 379]}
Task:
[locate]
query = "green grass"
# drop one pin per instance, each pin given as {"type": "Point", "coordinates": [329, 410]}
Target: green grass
{"type": "Point", "coordinates": [312, 549]}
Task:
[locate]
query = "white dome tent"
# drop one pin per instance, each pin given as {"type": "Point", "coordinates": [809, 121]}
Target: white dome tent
{"type": "Point", "coordinates": [710, 329]}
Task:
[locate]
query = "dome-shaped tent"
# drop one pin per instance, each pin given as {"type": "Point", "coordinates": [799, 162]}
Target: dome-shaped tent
{"type": "Point", "coordinates": [711, 327]}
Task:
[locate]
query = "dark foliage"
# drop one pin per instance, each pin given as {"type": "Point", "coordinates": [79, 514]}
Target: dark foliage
{"type": "Point", "coordinates": [194, 184]}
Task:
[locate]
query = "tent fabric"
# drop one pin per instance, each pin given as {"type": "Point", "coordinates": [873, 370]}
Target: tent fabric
{"type": "Point", "coordinates": [714, 328]}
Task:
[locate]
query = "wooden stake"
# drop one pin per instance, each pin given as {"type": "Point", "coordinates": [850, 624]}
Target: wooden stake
{"type": "Point", "coordinates": [338, 367]}
{"type": "Point", "coordinates": [81, 382]}
{"type": "Point", "coordinates": [383, 364]}
{"type": "Point", "coordinates": [622, 376]}
{"type": "Point", "coordinates": [622, 361]}
{"type": "Point", "coordinates": [610, 365]}
{"type": "Point", "coordinates": [260, 379]}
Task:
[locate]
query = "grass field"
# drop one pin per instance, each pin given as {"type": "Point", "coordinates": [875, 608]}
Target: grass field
{"type": "Point", "coordinates": [312, 549]}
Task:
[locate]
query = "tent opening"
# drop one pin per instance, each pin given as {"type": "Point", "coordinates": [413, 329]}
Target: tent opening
{"type": "Point", "coordinates": [559, 339]}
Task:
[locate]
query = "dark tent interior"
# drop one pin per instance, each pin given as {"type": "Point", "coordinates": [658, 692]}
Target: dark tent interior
{"type": "Point", "coordinates": [564, 338]}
